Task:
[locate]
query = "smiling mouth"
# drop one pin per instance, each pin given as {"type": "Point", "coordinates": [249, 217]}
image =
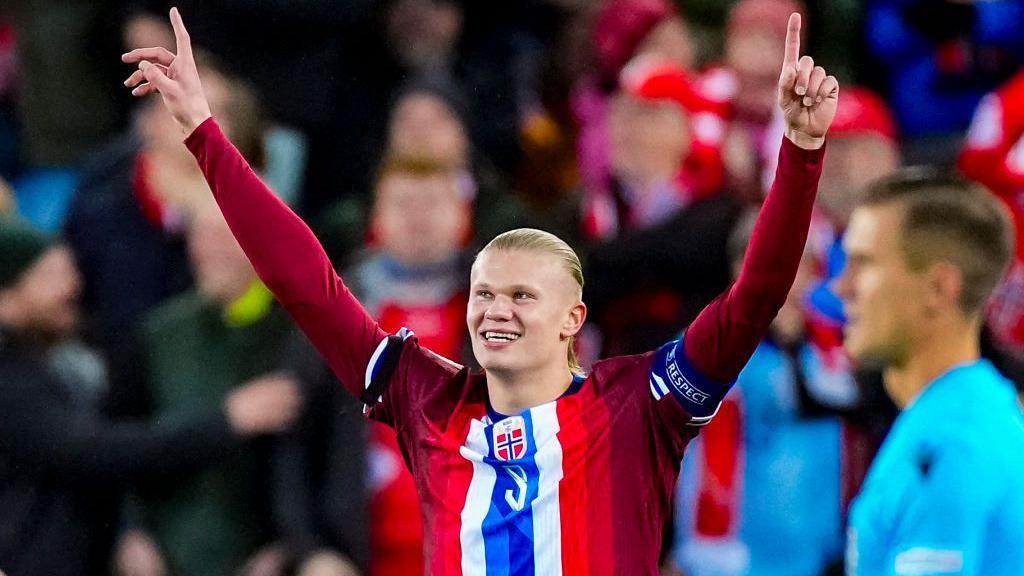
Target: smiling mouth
{"type": "Point", "coordinates": [492, 336]}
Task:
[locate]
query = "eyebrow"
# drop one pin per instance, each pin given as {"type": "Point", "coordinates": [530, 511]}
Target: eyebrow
{"type": "Point", "coordinates": [514, 287]}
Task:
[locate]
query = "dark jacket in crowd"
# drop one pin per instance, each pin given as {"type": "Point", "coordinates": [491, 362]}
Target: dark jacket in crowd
{"type": "Point", "coordinates": [62, 466]}
{"type": "Point", "coordinates": [210, 523]}
{"type": "Point", "coordinates": [128, 264]}
{"type": "Point", "coordinates": [645, 286]}
{"type": "Point", "coordinates": [319, 491]}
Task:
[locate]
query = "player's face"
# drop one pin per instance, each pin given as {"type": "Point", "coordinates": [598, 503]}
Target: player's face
{"type": "Point", "coordinates": [523, 306]}
{"type": "Point", "coordinates": [882, 297]}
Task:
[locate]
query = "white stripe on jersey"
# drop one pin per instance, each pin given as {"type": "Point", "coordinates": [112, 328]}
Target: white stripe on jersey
{"type": "Point", "coordinates": [660, 385]}
{"type": "Point", "coordinates": [373, 362]}
{"type": "Point", "coordinates": [547, 519]}
{"type": "Point", "coordinates": [478, 501]}
{"type": "Point", "coordinates": [654, 392]}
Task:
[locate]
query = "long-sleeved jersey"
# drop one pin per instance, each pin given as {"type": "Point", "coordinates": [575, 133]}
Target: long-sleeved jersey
{"type": "Point", "coordinates": [579, 485]}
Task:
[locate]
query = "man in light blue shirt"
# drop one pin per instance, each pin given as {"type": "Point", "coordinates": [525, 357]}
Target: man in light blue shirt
{"type": "Point", "coordinates": [945, 494]}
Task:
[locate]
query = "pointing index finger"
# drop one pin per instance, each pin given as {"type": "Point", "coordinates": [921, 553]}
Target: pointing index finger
{"type": "Point", "coordinates": [792, 40]}
{"type": "Point", "coordinates": [181, 39]}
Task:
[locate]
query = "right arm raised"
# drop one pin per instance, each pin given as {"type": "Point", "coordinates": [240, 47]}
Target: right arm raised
{"type": "Point", "coordinates": [282, 249]}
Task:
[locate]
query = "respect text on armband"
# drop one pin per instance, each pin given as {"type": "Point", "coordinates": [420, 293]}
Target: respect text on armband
{"type": "Point", "coordinates": [680, 382]}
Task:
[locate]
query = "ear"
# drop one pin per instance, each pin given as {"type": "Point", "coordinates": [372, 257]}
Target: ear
{"type": "Point", "coordinates": [945, 285]}
{"type": "Point", "coordinates": [574, 320]}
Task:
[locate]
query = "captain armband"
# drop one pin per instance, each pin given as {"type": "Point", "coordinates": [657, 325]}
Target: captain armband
{"type": "Point", "coordinates": [673, 374]}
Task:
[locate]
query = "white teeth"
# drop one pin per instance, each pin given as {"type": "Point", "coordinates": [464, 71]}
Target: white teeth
{"type": "Point", "coordinates": [501, 336]}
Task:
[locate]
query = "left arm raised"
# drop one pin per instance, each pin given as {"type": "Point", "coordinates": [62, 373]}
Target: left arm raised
{"type": "Point", "coordinates": [725, 334]}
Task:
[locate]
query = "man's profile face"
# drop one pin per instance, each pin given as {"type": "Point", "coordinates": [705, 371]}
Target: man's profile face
{"type": "Point", "coordinates": [883, 299]}
{"type": "Point", "coordinates": [520, 309]}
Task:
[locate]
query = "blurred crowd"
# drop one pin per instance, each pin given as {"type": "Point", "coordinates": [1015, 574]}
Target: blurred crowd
{"type": "Point", "coordinates": [160, 414]}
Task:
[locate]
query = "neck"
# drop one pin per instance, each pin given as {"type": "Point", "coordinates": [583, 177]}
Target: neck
{"type": "Point", "coordinates": [512, 392]}
{"type": "Point", "coordinates": [934, 355]}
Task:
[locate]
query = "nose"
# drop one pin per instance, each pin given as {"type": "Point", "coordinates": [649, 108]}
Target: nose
{"type": "Point", "coordinates": [499, 309]}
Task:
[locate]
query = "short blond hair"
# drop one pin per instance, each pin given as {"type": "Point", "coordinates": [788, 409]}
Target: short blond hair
{"type": "Point", "coordinates": [533, 240]}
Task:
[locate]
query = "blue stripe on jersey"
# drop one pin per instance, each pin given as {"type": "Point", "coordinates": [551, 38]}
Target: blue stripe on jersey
{"type": "Point", "coordinates": [698, 395]}
{"type": "Point", "coordinates": [508, 526]}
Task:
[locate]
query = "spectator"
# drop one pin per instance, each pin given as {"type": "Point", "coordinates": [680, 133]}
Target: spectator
{"type": "Point", "coordinates": [428, 120]}
{"type": "Point", "coordinates": [747, 83]}
{"type": "Point", "coordinates": [126, 224]}
{"type": "Point", "coordinates": [994, 156]}
{"type": "Point", "coordinates": [863, 146]}
{"type": "Point", "coordinates": [412, 278]}
{"type": "Point", "coordinates": [942, 56]}
{"type": "Point", "coordinates": [226, 331]}
{"type": "Point", "coordinates": [319, 493]}
{"type": "Point", "coordinates": [67, 90]}
{"type": "Point", "coordinates": [761, 493]}
{"type": "Point", "coordinates": [441, 40]}
{"type": "Point", "coordinates": [283, 50]}
{"type": "Point", "coordinates": [62, 465]}
{"type": "Point", "coordinates": [659, 162]}
{"type": "Point", "coordinates": [663, 253]}
{"type": "Point", "coordinates": [622, 30]}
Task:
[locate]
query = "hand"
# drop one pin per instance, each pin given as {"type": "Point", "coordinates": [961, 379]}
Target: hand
{"type": "Point", "coordinates": [138, 555]}
{"type": "Point", "coordinates": [266, 405]}
{"type": "Point", "coordinates": [807, 96]}
{"type": "Point", "coordinates": [175, 77]}
{"type": "Point", "coordinates": [327, 563]}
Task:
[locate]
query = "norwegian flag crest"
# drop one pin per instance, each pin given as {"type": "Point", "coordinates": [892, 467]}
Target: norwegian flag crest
{"type": "Point", "coordinates": [510, 439]}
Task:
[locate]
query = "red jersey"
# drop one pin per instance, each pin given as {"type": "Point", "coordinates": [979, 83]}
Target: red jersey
{"type": "Point", "coordinates": [579, 485]}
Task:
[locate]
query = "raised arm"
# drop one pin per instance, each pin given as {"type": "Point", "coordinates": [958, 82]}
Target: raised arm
{"type": "Point", "coordinates": [282, 249]}
{"type": "Point", "coordinates": [725, 334]}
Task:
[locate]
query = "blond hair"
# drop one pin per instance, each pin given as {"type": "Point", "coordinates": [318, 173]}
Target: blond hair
{"type": "Point", "coordinates": [533, 240]}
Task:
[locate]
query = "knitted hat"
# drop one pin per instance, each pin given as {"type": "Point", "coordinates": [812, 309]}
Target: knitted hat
{"type": "Point", "coordinates": [20, 246]}
{"type": "Point", "coordinates": [621, 27]}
